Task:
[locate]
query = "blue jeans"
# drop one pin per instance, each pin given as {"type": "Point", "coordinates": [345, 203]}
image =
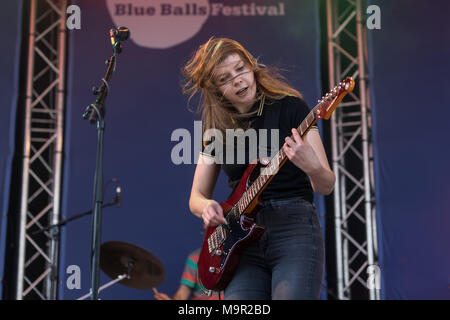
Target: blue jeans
{"type": "Point", "coordinates": [287, 262]}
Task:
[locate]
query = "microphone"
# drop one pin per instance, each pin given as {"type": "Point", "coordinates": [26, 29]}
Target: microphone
{"type": "Point", "coordinates": [118, 192]}
{"type": "Point", "coordinates": [119, 34]}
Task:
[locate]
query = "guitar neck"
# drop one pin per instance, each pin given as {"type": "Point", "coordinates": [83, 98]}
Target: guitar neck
{"type": "Point", "coordinates": [277, 161]}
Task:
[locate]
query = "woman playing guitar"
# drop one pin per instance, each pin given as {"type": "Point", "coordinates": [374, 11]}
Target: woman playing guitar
{"type": "Point", "coordinates": [238, 92]}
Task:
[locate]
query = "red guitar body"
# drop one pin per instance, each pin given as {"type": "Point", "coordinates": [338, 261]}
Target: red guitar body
{"type": "Point", "coordinates": [224, 244]}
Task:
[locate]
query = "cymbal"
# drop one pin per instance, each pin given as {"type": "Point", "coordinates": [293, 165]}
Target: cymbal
{"type": "Point", "coordinates": [144, 269]}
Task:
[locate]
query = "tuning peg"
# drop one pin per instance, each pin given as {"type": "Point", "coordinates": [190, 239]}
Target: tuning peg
{"type": "Point", "coordinates": [318, 114]}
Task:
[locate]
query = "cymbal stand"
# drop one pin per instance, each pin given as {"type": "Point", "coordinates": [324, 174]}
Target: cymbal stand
{"type": "Point", "coordinates": [131, 262]}
{"type": "Point", "coordinates": [119, 278]}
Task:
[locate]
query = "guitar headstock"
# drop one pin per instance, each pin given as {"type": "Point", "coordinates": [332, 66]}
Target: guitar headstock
{"type": "Point", "coordinates": [330, 101]}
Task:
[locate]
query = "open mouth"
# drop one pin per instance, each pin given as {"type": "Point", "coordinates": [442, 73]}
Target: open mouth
{"type": "Point", "coordinates": [242, 92]}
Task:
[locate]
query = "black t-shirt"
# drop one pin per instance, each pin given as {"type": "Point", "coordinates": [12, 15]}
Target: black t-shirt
{"type": "Point", "coordinates": [284, 114]}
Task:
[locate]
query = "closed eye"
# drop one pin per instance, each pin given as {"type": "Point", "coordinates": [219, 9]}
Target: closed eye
{"type": "Point", "coordinates": [225, 78]}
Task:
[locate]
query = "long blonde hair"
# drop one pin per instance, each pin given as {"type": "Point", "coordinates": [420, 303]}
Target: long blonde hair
{"type": "Point", "coordinates": [217, 112]}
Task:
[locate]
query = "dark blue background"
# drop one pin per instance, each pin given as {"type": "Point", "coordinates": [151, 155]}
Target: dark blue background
{"type": "Point", "coordinates": [409, 74]}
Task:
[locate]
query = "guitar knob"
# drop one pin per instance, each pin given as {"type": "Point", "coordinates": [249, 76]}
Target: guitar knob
{"type": "Point", "coordinates": [212, 269]}
{"type": "Point", "coordinates": [219, 252]}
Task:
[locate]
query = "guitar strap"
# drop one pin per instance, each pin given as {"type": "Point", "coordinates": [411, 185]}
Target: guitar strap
{"type": "Point", "coordinates": [270, 121]}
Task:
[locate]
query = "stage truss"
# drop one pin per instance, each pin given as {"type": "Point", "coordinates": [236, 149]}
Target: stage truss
{"type": "Point", "coordinates": [38, 252]}
{"type": "Point", "coordinates": [351, 127]}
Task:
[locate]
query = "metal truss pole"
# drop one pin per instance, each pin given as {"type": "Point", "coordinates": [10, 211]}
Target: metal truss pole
{"type": "Point", "coordinates": [38, 253]}
{"type": "Point", "coordinates": [355, 224]}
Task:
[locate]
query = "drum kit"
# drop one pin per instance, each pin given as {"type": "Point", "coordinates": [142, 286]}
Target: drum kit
{"type": "Point", "coordinates": [129, 265]}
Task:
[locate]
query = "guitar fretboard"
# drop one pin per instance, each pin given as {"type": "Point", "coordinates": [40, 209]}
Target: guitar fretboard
{"type": "Point", "coordinates": [269, 171]}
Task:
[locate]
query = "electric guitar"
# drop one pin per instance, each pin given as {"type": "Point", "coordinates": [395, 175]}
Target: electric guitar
{"type": "Point", "coordinates": [224, 244]}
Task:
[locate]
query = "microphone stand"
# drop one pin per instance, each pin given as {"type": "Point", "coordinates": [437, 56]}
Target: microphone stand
{"type": "Point", "coordinates": [76, 216]}
{"type": "Point", "coordinates": [95, 112]}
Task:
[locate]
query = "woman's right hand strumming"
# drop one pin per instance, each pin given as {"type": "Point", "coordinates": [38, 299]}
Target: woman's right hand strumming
{"type": "Point", "coordinates": [212, 214]}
